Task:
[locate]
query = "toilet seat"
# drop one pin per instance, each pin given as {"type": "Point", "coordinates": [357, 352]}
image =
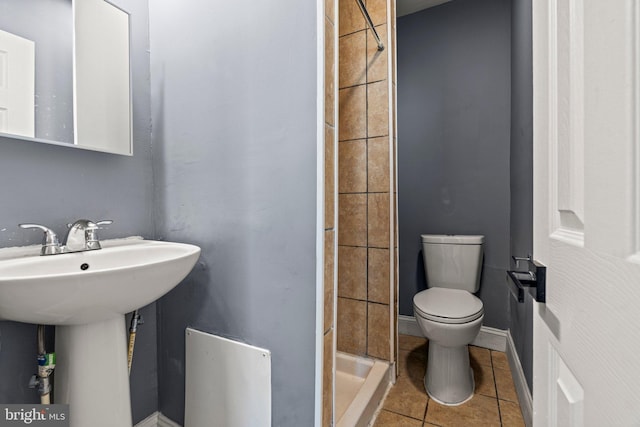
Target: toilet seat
{"type": "Point", "coordinates": [444, 305]}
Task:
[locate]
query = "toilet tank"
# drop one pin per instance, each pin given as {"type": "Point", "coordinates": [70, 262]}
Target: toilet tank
{"type": "Point", "coordinates": [452, 261]}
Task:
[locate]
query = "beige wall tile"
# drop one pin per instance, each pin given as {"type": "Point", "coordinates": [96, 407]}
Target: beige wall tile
{"type": "Point", "coordinates": [377, 59]}
{"type": "Point", "coordinates": [330, 9]}
{"type": "Point", "coordinates": [377, 10]}
{"type": "Point", "coordinates": [329, 72]}
{"type": "Point", "coordinates": [479, 411]}
{"type": "Point", "coordinates": [378, 220]}
{"type": "Point", "coordinates": [352, 219]}
{"type": "Point", "coordinates": [351, 19]}
{"type": "Point", "coordinates": [378, 165]}
{"type": "Point", "coordinates": [510, 414]}
{"type": "Point", "coordinates": [378, 331]}
{"type": "Point", "coordinates": [352, 272]}
{"type": "Point", "coordinates": [352, 326]}
{"type": "Point", "coordinates": [407, 397]}
{"type": "Point", "coordinates": [378, 287]}
{"type": "Point", "coordinates": [327, 380]}
{"type": "Point", "coordinates": [329, 263]}
{"type": "Point", "coordinates": [329, 177]}
{"type": "Point", "coordinates": [353, 113]}
{"type": "Point", "coordinates": [377, 109]}
{"type": "Point", "coordinates": [353, 59]}
{"type": "Point", "coordinates": [352, 166]}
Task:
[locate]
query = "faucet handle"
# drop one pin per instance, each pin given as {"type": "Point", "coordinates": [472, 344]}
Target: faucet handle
{"type": "Point", "coordinates": [50, 241]}
{"type": "Point", "coordinates": [83, 236]}
{"type": "Point", "coordinates": [92, 235]}
{"type": "Point", "coordinates": [92, 225]}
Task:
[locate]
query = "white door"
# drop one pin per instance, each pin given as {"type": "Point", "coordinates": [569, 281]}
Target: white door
{"type": "Point", "coordinates": [17, 73]}
{"type": "Point", "coordinates": [586, 212]}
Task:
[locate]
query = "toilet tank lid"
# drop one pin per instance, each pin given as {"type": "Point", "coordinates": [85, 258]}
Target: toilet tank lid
{"type": "Point", "coordinates": [455, 239]}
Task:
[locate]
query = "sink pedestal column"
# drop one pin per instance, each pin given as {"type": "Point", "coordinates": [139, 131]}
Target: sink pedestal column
{"type": "Point", "coordinates": [91, 373]}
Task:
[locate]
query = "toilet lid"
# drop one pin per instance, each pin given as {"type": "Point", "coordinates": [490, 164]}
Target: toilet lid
{"type": "Point", "coordinates": [448, 305]}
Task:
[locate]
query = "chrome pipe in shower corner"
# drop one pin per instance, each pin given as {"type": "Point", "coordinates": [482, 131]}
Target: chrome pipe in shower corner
{"type": "Point", "coordinates": [365, 13]}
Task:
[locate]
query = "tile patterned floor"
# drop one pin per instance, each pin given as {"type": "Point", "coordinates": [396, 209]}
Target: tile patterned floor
{"type": "Point", "coordinates": [494, 403]}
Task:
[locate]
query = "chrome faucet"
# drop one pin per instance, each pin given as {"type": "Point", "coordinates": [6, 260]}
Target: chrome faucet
{"type": "Point", "coordinates": [82, 236]}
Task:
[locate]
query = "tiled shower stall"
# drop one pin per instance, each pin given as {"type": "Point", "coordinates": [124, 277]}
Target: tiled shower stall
{"type": "Point", "coordinates": [360, 188]}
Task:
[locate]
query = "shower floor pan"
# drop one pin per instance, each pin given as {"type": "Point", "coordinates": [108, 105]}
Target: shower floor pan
{"type": "Point", "coordinates": [360, 386]}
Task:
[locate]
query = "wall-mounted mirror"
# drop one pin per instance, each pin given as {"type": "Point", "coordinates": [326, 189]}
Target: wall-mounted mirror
{"type": "Point", "coordinates": [65, 73]}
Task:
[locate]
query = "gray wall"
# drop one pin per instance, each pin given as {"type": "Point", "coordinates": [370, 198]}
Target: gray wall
{"type": "Point", "coordinates": [53, 185]}
{"type": "Point", "coordinates": [454, 71]}
{"type": "Point", "coordinates": [521, 315]}
{"type": "Point", "coordinates": [234, 135]}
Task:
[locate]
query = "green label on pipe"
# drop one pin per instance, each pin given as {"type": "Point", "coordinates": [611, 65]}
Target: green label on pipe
{"type": "Point", "coordinates": [48, 359]}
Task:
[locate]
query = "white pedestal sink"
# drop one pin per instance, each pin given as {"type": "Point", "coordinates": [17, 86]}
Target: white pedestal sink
{"type": "Point", "coordinates": [86, 295]}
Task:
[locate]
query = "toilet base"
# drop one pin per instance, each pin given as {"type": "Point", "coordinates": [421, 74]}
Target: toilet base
{"type": "Point", "coordinates": [449, 378]}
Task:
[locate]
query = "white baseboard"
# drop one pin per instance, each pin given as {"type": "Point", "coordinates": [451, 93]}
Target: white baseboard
{"type": "Point", "coordinates": [491, 338]}
{"type": "Point", "coordinates": [163, 421]}
{"type": "Point", "coordinates": [150, 421]}
{"type": "Point", "coordinates": [157, 419]}
{"type": "Point", "coordinates": [519, 380]}
{"type": "Point", "coordinates": [407, 325]}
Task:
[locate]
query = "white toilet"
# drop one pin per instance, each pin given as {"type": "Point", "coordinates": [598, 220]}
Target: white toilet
{"type": "Point", "coordinates": [448, 313]}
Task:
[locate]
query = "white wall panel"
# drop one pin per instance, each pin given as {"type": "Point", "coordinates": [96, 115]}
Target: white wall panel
{"type": "Point", "coordinates": [227, 383]}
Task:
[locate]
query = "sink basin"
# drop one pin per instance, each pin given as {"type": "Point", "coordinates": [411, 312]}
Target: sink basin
{"type": "Point", "coordinates": [86, 295]}
{"type": "Point", "coordinates": [86, 287]}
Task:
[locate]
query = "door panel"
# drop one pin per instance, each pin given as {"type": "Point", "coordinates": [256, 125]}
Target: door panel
{"type": "Point", "coordinates": [17, 82]}
{"type": "Point", "coordinates": [586, 212]}
{"type": "Point", "coordinates": [611, 130]}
